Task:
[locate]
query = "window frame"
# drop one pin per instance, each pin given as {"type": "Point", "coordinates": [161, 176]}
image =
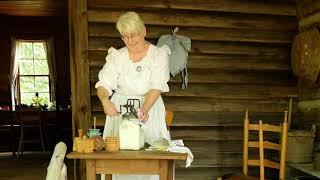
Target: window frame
{"type": "Point", "coordinates": [34, 75]}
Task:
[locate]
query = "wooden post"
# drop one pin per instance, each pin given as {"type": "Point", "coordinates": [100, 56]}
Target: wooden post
{"type": "Point", "coordinates": [261, 150]}
{"type": "Point", "coordinates": [245, 144]}
{"type": "Point", "coordinates": [79, 69]}
{"type": "Point", "coordinates": [290, 113]}
{"type": "Point", "coordinates": [284, 136]}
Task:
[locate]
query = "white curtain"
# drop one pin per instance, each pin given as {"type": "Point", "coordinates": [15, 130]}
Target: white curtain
{"type": "Point", "coordinates": [49, 48]}
{"type": "Point", "coordinates": [14, 67]}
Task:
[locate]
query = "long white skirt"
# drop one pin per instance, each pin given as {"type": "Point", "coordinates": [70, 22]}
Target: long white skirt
{"type": "Point", "coordinates": [154, 128]}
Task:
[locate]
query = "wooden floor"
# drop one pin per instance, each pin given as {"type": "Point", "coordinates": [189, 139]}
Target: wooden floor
{"type": "Point", "coordinates": [31, 166]}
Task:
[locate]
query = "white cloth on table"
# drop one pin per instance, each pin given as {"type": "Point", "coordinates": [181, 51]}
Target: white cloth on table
{"type": "Point", "coordinates": [174, 146]}
{"type": "Point", "coordinates": [178, 146]}
{"type": "Point", "coordinates": [133, 80]}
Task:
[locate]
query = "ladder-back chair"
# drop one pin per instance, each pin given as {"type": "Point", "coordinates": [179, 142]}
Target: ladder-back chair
{"type": "Point", "coordinates": [262, 144]}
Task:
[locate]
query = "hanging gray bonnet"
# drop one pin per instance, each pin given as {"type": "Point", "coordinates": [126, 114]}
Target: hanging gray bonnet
{"type": "Point", "coordinates": [179, 45]}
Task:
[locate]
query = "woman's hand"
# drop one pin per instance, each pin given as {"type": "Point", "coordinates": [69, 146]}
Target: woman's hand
{"type": "Point", "coordinates": [109, 108]}
{"type": "Point", "coordinates": [142, 115]}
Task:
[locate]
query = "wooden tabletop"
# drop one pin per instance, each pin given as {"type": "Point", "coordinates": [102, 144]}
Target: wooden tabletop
{"type": "Point", "coordinates": [127, 154]}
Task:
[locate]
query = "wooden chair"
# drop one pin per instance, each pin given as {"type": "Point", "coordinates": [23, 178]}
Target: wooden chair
{"type": "Point", "coordinates": [262, 145]}
{"type": "Point", "coordinates": [30, 119]}
{"type": "Point", "coordinates": [7, 124]}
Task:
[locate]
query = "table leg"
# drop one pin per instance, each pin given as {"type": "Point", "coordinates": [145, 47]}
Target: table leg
{"type": "Point", "coordinates": [108, 176]}
{"type": "Point", "coordinates": [163, 171]}
{"type": "Point", "coordinates": [171, 169]}
{"type": "Point", "coordinates": [91, 169]}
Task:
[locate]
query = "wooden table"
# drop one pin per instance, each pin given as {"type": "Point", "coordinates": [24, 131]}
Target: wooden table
{"type": "Point", "coordinates": [129, 162]}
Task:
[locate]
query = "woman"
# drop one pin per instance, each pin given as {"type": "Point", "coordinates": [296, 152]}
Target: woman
{"type": "Point", "coordinates": [140, 71]}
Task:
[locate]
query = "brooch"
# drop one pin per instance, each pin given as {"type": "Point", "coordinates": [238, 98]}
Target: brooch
{"type": "Point", "coordinates": [139, 68]}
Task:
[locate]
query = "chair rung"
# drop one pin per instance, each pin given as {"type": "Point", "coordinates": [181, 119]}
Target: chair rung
{"type": "Point", "coordinates": [266, 145]}
{"type": "Point", "coordinates": [266, 127]}
{"type": "Point", "coordinates": [266, 162]}
{"type": "Point", "coordinates": [31, 141]}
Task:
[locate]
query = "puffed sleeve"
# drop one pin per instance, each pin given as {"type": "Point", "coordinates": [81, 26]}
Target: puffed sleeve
{"type": "Point", "coordinates": [160, 69]}
{"type": "Point", "coordinates": [108, 75]}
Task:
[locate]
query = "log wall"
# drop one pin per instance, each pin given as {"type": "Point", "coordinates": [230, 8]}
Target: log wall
{"type": "Point", "coordinates": [240, 58]}
{"type": "Point", "coordinates": [308, 13]}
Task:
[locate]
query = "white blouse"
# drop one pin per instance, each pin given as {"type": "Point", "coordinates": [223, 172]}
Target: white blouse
{"type": "Point", "coordinates": [135, 78]}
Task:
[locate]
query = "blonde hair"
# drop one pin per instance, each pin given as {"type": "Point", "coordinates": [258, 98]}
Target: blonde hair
{"type": "Point", "coordinates": [130, 22]}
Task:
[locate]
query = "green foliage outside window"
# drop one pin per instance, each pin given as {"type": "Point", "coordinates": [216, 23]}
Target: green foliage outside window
{"type": "Point", "coordinates": [34, 72]}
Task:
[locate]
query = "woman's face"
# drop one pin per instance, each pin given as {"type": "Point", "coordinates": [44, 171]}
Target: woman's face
{"type": "Point", "coordinates": [134, 40]}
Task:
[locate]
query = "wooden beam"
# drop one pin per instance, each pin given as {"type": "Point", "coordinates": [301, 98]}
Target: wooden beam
{"type": "Point", "coordinates": [309, 20]}
{"type": "Point", "coordinates": [79, 70]}
{"type": "Point", "coordinates": [213, 134]}
{"type": "Point", "coordinates": [307, 91]}
{"type": "Point", "coordinates": [96, 43]}
{"type": "Point", "coordinates": [210, 118]}
{"type": "Point", "coordinates": [205, 104]}
{"type": "Point", "coordinates": [309, 104]}
{"type": "Point", "coordinates": [213, 148]}
{"type": "Point", "coordinates": [232, 77]}
{"type": "Point", "coordinates": [207, 34]}
{"type": "Point", "coordinates": [192, 173]}
{"type": "Point", "coordinates": [226, 161]}
{"type": "Point", "coordinates": [307, 8]}
{"type": "Point", "coordinates": [227, 91]}
{"type": "Point", "coordinates": [201, 19]}
{"type": "Point", "coordinates": [34, 8]}
{"type": "Point", "coordinates": [256, 7]}
{"type": "Point", "coordinates": [216, 134]}
{"type": "Point", "coordinates": [218, 61]}
{"type": "Point", "coordinates": [231, 91]}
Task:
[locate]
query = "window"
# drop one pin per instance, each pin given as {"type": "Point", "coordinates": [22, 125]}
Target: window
{"type": "Point", "coordinates": [33, 72]}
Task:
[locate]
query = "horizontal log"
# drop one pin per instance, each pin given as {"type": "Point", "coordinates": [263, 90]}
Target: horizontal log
{"type": "Point", "coordinates": [216, 134]}
{"type": "Point", "coordinates": [227, 91]}
{"type": "Point", "coordinates": [227, 161]}
{"type": "Point", "coordinates": [104, 44]}
{"type": "Point", "coordinates": [256, 7]}
{"type": "Point", "coordinates": [218, 61]}
{"type": "Point", "coordinates": [308, 21]}
{"type": "Point", "coordinates": [307, 91]}
{"type": "Point", "coordinates": [201, 19]}
{"type": "Point", "coordinates": [309, 105]}
{"type": "Point", "coordinates": [239, 62]}
{"type": "Point", "coordinates": [207, 34]}
{"type": "Point", "coordinates": [33, 8]}
{"type": "Point", "coordinates": [232, 91]}
{"type": "Point", "coordinates": [307, 8]}
{"type": "Point", "coordinates": [207, 104]}
{"type": "Point", "coordinates": [193, 173]}
{"type": "Point", "coordinates": [304, 119]}
{"type": "Point", "coordinates": [236, 77]}
{"type": "Point", "coordinates": [214, 148]}
{"type": "Point", "coordinates": [209, 119]}
{"type": "Point", "coordinates": [247, 77]}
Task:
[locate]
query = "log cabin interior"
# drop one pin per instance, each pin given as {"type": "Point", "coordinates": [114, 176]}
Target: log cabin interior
{"type": "Point", "coordinates": [244, 55]}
